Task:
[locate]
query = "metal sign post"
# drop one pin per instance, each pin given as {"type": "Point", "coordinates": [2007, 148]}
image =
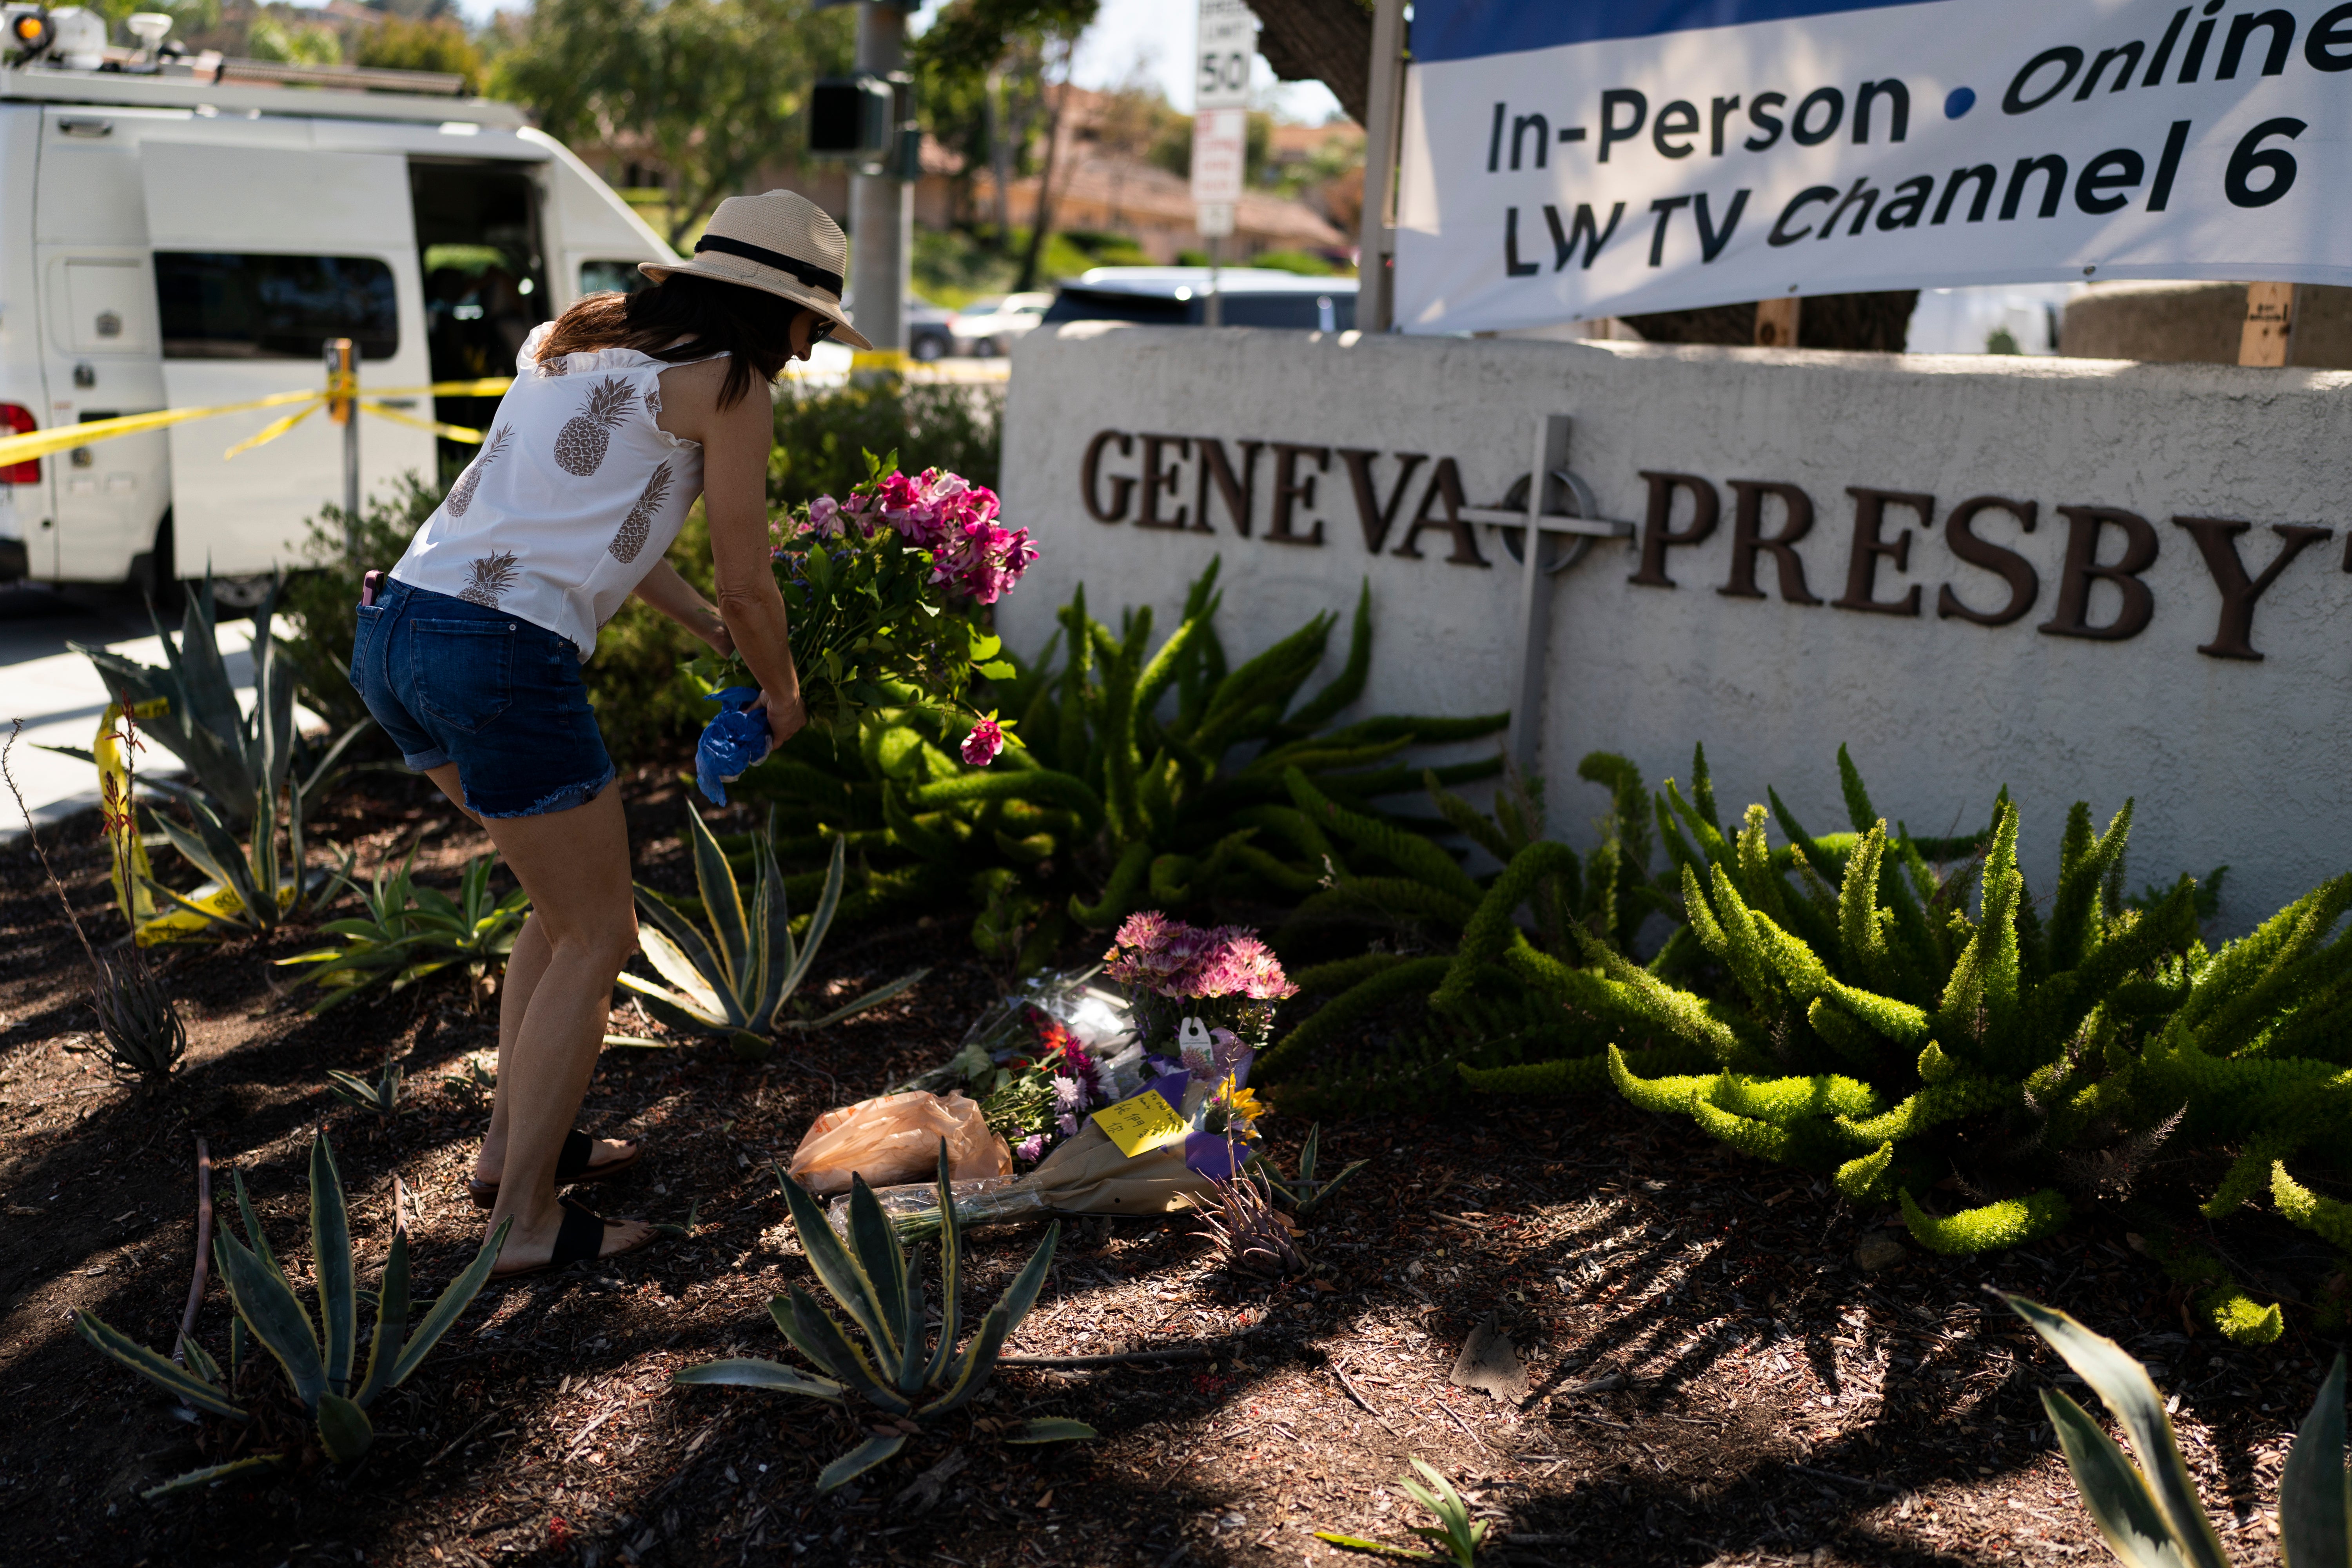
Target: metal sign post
{"type": "Point", "coordinates": [881, 198]}
{"type": "Point", "coordinates": [343, 407]}
{"type": "Point", "coordinates": [1228, 43]}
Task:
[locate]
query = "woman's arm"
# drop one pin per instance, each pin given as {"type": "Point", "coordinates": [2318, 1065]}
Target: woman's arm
{"type": "Point", "coordinates": [735, 498]}
{"type": "Point", "coordinates": [676, 597]}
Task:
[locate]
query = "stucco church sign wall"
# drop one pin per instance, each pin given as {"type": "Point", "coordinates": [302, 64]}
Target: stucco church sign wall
{"type": "Point", "coordinates": [2080, 579]}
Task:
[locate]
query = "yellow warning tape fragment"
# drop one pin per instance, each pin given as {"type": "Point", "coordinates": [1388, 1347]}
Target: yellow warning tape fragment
{"type": "Point", "coordinates": [63, 438]}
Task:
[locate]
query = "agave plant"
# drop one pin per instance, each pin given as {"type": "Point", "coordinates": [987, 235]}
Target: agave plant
{"type": "Point", "coordinates": [908, 1382]}
{"type": "Point", "coordinates": [409, 932]}
{"type": "Point", "coordinates": [256, 888]}
{"type": "Point", "coordinates": [2149, 1513]}
{"type": "Point", "coordinates": [235, 759]}
{"type": "Point", "coordinates": [383, 1096]}
{"type": "Point", "coordinates": [1456, 1535]}
{"type": "Point", "coordinates": [1250, 1236]}
{"type": "Point", "coordinates": [732, 980]}
{"type": "Point", "coordinates": [317, 1355]}
{"type": "Point", "coordinates": [1303, 1193]}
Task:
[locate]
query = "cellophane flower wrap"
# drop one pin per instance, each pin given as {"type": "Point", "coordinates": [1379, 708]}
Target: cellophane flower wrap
{"type": "Point", "coordinates": [884, 589]}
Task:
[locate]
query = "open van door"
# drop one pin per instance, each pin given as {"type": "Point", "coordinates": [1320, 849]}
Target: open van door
{"type": "Point", "coordinates": [262, 254]}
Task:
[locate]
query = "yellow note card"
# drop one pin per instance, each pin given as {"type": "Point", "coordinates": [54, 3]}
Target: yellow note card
{"type": "Point", "coordinates": [1146, 1122]}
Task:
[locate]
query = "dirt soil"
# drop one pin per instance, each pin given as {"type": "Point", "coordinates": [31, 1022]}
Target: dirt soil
{"type": "Point", "coordinates": [1711, 1377]}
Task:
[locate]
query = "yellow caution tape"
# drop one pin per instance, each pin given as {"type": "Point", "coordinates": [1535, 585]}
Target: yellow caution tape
{"type": "Point", "coordinates": [451, 432]}
{"type": "Point", "coordinates": [890, 362]}
{"type": "Point", "coordinates": [275, 428]}
{"type": "Point", "coordinates": [63, 438]}
{"type": "Point", "coordinates": [41, 443]}
{"type": "Point", "coordinates": [131, 870]}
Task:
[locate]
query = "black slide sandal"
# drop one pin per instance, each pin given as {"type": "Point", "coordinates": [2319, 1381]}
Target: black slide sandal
{"type": "Point", "coordinates": [580, 1239]}
{"type": "Point", "coordinates": [571, 1166]}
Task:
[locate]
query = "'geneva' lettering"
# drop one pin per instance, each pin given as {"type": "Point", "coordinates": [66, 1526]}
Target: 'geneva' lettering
{"type": "Point", "coordinates": [1399, 497]}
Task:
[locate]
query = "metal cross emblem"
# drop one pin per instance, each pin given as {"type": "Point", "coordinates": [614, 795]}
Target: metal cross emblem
{"type": "Point", "coordinates": [1557, 505]}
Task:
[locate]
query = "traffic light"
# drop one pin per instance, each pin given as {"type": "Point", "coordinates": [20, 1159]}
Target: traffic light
{"type": "Point", "coordinates": [852, 117]}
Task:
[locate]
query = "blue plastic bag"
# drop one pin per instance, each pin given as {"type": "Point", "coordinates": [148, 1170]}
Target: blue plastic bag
{"type": "Point", "coordinates": [731, 743]}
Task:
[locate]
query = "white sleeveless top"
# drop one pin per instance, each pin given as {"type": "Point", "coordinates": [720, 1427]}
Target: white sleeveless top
{"type": "Point", "coordinates": [576, 495]}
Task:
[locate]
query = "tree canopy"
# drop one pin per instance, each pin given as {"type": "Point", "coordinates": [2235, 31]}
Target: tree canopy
{"type": "Point", "coordinates": [713, 89]}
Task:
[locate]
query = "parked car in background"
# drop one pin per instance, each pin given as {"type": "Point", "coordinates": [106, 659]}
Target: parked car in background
{"type": "Point", "coordinates": [929, 335]}
{"type": "Point", "coordinates": [1179, 297]}
{"type": "Point", "coordinates": [988, 328]}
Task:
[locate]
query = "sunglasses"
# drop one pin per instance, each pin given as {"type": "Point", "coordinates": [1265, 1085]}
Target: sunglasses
{"type": "Point", "coordinates": [822, 330]}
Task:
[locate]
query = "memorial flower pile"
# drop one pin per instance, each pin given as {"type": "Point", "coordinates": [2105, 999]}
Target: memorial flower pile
{"type": "Point", "coordinates": [881, 588]}
{"type": "Point", "coordinates": [1207, 997]}
{"type": "Point", "coordinates": [1224, 976]}
{"type": "Point", "coordinates": [1043, 1092]}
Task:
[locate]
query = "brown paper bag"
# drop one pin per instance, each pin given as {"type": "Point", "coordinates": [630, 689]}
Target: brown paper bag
{"type": "Point", "coordinates": [1087, 1174]}
{"type": "Point", "coordinates": [894, 1139]}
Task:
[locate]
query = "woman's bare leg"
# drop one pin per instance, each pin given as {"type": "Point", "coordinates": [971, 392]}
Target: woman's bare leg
{"type": "Point", "coordinates": [575, 867]}
{"type": "Point", "coordinates": [525, 966]}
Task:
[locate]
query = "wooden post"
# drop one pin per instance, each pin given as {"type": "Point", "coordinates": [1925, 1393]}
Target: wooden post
{"type": "Point", "coordinates": [2269, 336]}
{"type": "Point", "coordinates": [1776, 322]}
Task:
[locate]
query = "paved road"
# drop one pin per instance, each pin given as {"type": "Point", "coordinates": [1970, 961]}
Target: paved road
{"type": "Point", "coordinates": [59, 695]}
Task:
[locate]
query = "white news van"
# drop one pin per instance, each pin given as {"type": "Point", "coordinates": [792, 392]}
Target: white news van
{"type": "Point", "coordinates": [177, 240]}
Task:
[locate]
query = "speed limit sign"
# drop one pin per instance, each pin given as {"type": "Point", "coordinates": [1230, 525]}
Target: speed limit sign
{"type": "Point", "coordinates": [1228, 42]}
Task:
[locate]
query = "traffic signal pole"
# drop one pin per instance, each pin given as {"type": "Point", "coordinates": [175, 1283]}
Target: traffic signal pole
{"type": "Point", "coordinates": [882, 204]}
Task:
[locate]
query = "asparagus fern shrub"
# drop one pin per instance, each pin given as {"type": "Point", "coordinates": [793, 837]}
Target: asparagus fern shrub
{"type": "Point", "coordinates": [317, 1353]}
{"type": "Point", "coordinates": [1893, 1011]}
{"type": "Point", "coordinates": [907, 1381]}
{"type": "Point", "coordinates": [1438, 980]}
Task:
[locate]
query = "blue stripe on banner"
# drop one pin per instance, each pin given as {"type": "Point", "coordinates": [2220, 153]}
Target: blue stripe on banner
{"type": "Point", "coordinates": [1463, 29]}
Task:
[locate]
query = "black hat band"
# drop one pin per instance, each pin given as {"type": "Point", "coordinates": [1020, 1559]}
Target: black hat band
{"type": "Point", "coordinates": [814, 276]}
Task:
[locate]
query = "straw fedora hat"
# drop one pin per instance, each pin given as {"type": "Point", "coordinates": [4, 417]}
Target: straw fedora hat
{"type": "Point", "coordinates": [780, 241]}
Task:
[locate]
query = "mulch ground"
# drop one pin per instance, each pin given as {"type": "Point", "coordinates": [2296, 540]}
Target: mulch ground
{"type": "Point", "coordinates": [1711, 1377]}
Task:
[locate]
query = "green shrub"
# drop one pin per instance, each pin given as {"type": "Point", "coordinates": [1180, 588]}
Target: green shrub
{"type": "Point", "coordinates": [1148, 776]}
{"type": "Point", "coordinates": [1856, 1020]}
{"type": "Point", "coordinates": [1453, 989]}
{"type": "Point", "coordinates": [323, 597]}
{"type": "Point", "coordinates": [822, 435]}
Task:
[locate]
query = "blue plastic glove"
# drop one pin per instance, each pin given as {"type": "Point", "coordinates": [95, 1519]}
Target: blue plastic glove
{"type": "Point", "coordinates": [732, 742]}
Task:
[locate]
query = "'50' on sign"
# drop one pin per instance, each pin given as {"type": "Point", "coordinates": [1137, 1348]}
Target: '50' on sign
{"type": "Point", "coordinates": [1228, 42]}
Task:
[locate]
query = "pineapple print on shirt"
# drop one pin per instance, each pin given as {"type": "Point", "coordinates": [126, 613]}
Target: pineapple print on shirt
{"type": "Point", "coordinates": [461, 494]}
{"type": "Point", "coordinates": [581, 445]}
{"type": "Point", "coordinates": [631, 536]}
{"type": "Point", "coordinates": [489, 577]}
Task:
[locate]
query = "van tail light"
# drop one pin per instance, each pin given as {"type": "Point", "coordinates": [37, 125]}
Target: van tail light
{"type": "Point", "coordinates": [16, 419]}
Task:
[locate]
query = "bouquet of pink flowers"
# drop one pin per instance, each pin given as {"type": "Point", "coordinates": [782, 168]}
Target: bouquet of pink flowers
{"type": "Point", "coordinates": [1224, 976]}
{"type": "Point", "coordinates": [881, 588]}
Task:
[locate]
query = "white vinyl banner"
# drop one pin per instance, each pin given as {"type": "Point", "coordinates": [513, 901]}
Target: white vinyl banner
{"type": "Point", "coordinates": [1570, 161]}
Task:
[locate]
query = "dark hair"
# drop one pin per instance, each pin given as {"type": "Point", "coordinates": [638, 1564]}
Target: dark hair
{"type": "Point", "coordinates": [750, 325]}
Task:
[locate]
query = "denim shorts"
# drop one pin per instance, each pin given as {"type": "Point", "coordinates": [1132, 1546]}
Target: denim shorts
{"type": "Point", "coordinates": [500, 697]}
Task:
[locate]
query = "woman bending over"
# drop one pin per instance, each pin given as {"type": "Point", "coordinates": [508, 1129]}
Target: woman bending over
{"type": "Point", "coordinates": [622, 412]}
